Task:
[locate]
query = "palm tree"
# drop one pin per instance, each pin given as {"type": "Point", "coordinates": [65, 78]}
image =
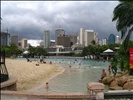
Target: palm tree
{"type": "Point", "coordinates": [123, 14]}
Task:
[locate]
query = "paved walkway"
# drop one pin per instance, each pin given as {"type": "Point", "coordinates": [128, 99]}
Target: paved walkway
{"type": "Point", "coordinates": [14, 95]}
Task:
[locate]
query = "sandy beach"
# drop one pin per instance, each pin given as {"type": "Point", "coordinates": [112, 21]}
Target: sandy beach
{"type": "Point", "coordinates": [29, 75]}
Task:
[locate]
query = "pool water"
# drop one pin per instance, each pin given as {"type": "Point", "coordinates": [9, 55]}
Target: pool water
{"type": "Point", "coordinates": [75, 78]}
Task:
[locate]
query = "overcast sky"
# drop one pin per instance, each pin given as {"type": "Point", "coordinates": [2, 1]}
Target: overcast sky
{"type": "Point", "coordinates": [29, 19]}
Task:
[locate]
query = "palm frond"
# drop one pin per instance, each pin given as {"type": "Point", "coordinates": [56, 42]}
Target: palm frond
{"type": "Point", "coordinates": [123, 15]}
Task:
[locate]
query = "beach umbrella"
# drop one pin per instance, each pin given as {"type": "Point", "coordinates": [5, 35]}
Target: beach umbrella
{"type": "Point", "coordinates": [108, 52]}
{"type": "Point", "coordinates": [25, 52]}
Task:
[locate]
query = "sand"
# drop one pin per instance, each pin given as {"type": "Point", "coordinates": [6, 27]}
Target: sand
{"type": "Point", "coordinates": [29, 75]}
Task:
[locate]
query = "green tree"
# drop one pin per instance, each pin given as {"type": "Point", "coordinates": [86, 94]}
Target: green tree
{"type": "Point", "coordinates": [93, 42]}
{"type": "Point", "coordinates": [40, 51]}
{"type": "Point", "coordinates": [85, 51]}
{"type": "Point", "coordinates": [121, 60]}
{"type": "Point", "coordinates": [123, 14]}
{"type": "Point", "coordinates": [32, 51]}
{"type": "Point", "coordinates": [11, 50]}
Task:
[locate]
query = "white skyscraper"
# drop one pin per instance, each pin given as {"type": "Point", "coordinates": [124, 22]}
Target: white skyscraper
{"type": "Point", "coordinates": [87, 36]}
{"type": "Point", "coordinates": [46, 38]}
{"type": "Point", "coordinates": [117, 39]}
{"type": "Point", "coordinates": [81, 36]}
{"type": "Point", "coordinates": [24, 43]}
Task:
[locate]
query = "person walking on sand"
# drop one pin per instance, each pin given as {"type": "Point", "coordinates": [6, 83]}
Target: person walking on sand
{"type": "Point", "coordinates": [41, 58]}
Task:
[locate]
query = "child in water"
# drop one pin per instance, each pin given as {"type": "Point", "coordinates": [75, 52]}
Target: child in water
{"type": "Point", "coordinates": [46, 86]}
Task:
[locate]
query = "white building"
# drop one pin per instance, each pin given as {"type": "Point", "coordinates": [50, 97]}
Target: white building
{"type": "Point", "coordinates": [46, 38]}
{"type": "Point", "coordinates": [24, 43]}
{"type": "Point", "coordinates": [5, 39]}
{"type": "Point", "coordinates": [104, 41]}
{"type": "Point", "coordinates": [81, 36]}
{"type": "Point", "coordinates": [87, 36]}
{"type": "Point", "coordinates": [117, 39]}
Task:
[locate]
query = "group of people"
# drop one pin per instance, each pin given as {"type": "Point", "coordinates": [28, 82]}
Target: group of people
{"type": "Point", "coordinates": [104, 74]}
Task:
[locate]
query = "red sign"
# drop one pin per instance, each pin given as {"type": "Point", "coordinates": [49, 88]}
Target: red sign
{"type": "Point", "coordinates": [131, 58]}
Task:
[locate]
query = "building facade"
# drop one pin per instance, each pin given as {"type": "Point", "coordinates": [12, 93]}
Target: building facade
{"type": "Point", "coordinates": [5, 39]}
{"type": "Point", "coordinates": [14, 39]}
{"type": "Point", "coordinates": [81, 37]}
{"type": "Point", "coordinates": [24, 43]}
{"type": "Point", "coordinates": [104, 41]}
{"type": "Point", "coordinates": [52, 43]}
{"type": "Point", "coordinates": [87, 36]}
{"type": "Point", "coordinates": [111, 39]}
{"type": "Point", "coordinates": [117, 39]}
{"type": "Point", "coordinates": [59, 32]}
{"type": "Point", "coordinates": [46, 38]}
{"type": "Point", "coordinates": [64, 41]}
{"type": "Point", "coordinates": [73, 39]}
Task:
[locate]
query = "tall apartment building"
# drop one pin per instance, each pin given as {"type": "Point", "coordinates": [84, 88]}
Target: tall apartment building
{"type": "Point", "coordinates": [81, 37]}
{"type": "Point", "coordinates": [5, 39]}
{"type": "Point", "coordinates": [24, 43]}
{"type": "Point", "coordinates": [104, 41]}
{"type": "Point", "coordinates": [14, 39]}
{"type": "Point", "coordinates": [117, 39]}
{"type": "Point", "coordinates": [111, 39]}
{"type": "Point", "coordinates": [59, 32]}
{"type": "Point", "coordinates": [52, 43]}
{"type": "Point", "coordinates": [73, 39]}
{"type": "Point", "coordinates": [87, 36]}
{"type": "Point", "coordinates": [46, 38]}
{"type": "Point", "coordinates": [64, 41]}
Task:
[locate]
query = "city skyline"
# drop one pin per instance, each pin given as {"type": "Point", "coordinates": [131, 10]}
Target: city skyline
{"type": "Point", "coordinates": [30, 19]}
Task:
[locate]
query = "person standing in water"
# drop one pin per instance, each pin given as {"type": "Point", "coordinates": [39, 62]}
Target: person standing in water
{"type": "Point", "coordinates": [103, 74]}
{"type": "Point", "coordinates": [46, 86]}
{"type": "Point", "coordinates": [109, 70]}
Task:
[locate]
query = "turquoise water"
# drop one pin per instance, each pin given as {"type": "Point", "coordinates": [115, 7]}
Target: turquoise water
{"type": "Point", "coordinates": [74, 78]}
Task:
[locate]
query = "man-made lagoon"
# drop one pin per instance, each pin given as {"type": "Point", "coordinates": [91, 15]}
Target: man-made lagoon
{"type": "Point", "coordinates": [78, 72]}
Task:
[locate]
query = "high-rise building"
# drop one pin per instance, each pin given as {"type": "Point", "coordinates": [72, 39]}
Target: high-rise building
{"type": "Point", "coordinates": [87, 36]}
{"type": "Point", "coordinates": [46, 38]}
{"type": "Point", "coordinates": [52, 43]}
{"type": "Point", "coordinates": [59, 32]}
{"type": "Point", "coordinates": [117, 39]}
{"type": "Point", "coordinates": [104, 41]}
{"type": "Point", "coordinates": [5, 39]}
{"type": "Point", "coordinates": [73, 39]}
{"type": "Point", "coordinates": [111, 39]}
{"type": "Point", "coordinates": [24, 43]}
{"type": "Point", "coordinates": [14, 39]}
{"type": "Point", "coordinates": [81, 37]}
{"type": "Point", "coordinates": [63, 40]}
{"type": "Point", "coordinates": [42, 44]}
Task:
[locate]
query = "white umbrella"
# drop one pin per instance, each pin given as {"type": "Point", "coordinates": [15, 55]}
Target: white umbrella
{"type": "Point", "coordinates": [108, 50]}
{"type": "Point", "coordinates": [25, 52]}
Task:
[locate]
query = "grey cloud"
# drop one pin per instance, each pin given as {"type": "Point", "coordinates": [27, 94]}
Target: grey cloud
{"type": "Point", "coordinates": [30, 18]}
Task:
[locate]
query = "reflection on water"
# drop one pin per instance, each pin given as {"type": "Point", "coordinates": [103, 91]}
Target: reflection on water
{"type": "Point", "coordinates": [75, 78]}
